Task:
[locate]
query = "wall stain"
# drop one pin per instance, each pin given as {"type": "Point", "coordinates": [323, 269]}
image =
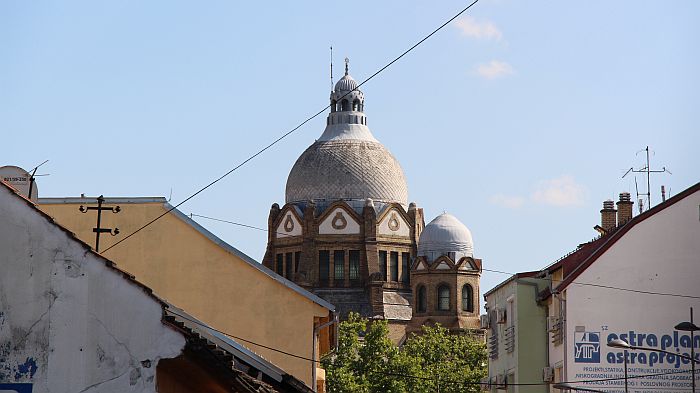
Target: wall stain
{"type": "Point", "coordinates": [29, 367]}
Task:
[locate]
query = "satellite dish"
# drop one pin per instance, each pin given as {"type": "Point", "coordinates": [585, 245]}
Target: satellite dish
{"type": "Point", "coordinates": [21, 180]}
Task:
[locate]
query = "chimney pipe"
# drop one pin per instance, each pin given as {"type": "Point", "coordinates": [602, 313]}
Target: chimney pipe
{"type": "Point", "coordinates": [624, 207]}
{"type": "Point", "coordinates": [607, 215]}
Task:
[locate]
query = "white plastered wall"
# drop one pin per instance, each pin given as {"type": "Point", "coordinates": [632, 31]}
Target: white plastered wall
{"type": "Point", "coordinates": [396, 218]}
{"type": "Point", "coordinates": [660, 254]}
{"type": "Point", "coordinates": [289, 226]}
{"type": "Point", "coordinates": [345, 224]}
{"type": "Point", "coordinates": [69, 323]}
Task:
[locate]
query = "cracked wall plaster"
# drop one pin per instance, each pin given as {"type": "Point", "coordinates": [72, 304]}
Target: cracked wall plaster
{"type": "Point", "coordinates": [68, 323]}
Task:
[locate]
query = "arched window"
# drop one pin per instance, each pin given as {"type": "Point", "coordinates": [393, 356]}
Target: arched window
{"type": "Point", "coordinates": [334, 103]}
{"type": "Point", "coordinates": [443, 298]}
{"type": "Point", "coordinates": [467, 298]}
{"type": "Point", "coordinates": [421, 299]}
{"type": "Point", "coordinates": [344, 105]}
{"type": "Point", "coordinates": [356, 105]}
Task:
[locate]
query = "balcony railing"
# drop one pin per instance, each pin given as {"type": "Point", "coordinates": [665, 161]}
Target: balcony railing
{"type": "Point", "coordinates": [509, 339]}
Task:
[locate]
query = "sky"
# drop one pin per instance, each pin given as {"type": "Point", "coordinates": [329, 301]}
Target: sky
{"type": "Point", "coordinates": [519, 118]}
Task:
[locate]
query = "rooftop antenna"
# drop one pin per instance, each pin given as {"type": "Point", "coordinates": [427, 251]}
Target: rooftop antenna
{"type": "Point", "coordinates": [32, 176]}
{"type": "Point", "coordinates": [647, 169]}
{"type": "Point", "coordinates": [331, 68]}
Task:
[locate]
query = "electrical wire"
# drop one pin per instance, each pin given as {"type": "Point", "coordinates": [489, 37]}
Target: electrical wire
{"type": "Point", "coordinates": [199, 323]}
{"type": "Point", "coordinates": [286, 134]}
{"type": "Point", "coordinates": [492, 270]}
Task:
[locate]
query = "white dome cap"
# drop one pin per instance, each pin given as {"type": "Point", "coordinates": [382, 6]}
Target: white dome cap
{"type": "Point", "coordinates": [346, 83]}
{"type": "Point", "coordinates": [445, 234]}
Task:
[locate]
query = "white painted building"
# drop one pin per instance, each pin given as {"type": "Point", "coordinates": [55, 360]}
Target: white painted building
{"type": "Point", "coordinates": [636, 283]}
{"type": "Point", "coordinates": [69, 320]}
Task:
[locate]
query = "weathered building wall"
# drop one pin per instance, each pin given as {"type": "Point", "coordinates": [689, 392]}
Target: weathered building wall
{"type": "Point", "coordinates": [188, 266]}
{"type": "Point", "coordinates": [68, 322]}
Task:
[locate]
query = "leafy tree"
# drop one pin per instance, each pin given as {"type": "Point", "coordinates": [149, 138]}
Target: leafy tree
{"type": "Point", "coordinates": [431, 361]}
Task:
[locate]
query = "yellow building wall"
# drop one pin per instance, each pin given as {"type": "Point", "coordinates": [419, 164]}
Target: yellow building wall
{"type": "Point", "coordinates": [192, 272]}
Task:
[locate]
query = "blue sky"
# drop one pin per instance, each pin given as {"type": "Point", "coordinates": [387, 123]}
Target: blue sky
{"type": "Point", "coordinates": [520, 118]}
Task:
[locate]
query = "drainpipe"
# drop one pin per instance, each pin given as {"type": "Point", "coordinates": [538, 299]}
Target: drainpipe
{"type": "Point", "coordinates": [314, 364]}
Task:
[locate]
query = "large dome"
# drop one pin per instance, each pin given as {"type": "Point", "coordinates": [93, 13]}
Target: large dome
{"type": "Point", "coordinates": [444, 235]}
{"type": "Point", "coordinates": [347, 163]}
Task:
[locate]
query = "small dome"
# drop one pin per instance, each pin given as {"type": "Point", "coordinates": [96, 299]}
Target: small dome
{"type": "Point", "coordinates": [444, 235]}
{"type": "Point", "coordinates": [346, 83]}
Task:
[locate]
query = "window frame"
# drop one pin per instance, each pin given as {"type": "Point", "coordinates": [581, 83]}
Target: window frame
{"type": "Point", "coordinates": [442, 289]}
{"type": "Point", "coordinates": [469, 297]}
{"type": "Point", "coordinates": [421, 299]}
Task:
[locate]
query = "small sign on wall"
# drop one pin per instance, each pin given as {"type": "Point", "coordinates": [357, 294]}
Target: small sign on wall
{"type": "Point", "coordinates": [16, 388]}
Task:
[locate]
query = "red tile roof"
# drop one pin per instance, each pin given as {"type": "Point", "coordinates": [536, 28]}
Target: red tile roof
{"type": "Point", "coordinates": [578, 261]}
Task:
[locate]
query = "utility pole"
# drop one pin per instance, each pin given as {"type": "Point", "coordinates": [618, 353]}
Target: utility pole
{"type": "Point", "coordinates": [98, 230]}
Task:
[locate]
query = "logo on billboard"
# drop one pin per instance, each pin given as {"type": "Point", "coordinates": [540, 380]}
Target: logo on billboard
{"type": "Point", "coordinates": [587, 347]}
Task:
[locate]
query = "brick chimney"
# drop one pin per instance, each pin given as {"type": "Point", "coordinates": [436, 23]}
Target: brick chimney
{"type": "Point", "coordinates": [607, 215]}
{"type": "Point", "coordinates": [624, 208]}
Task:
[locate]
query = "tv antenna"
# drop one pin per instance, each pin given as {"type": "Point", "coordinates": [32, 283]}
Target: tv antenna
{"type": "Point", "coordinates": [647, 169]}
{"type": "Point", "coordinates": [34, 175]}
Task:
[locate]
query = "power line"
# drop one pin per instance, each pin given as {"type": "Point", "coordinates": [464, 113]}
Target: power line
{"type": "Point", "coordinates": [199, 323]}
{"type": "Point", "coordinates": [293, 129]}
{"type": "Point", "coordinates": [488, 270]}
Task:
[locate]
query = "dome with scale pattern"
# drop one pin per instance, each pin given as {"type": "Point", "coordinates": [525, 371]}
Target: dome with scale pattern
{"type": "Point", "coordinates": [347, 162]}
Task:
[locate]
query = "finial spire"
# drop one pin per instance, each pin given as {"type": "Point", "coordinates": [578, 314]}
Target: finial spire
{"type": "Point", "coordinates": [331, 68]}
{"type": "Point", "coordinates": [347, 61]}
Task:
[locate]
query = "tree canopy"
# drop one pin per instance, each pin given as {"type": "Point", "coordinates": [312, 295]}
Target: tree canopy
{"type": "Point", "coordinates": [366, 361]}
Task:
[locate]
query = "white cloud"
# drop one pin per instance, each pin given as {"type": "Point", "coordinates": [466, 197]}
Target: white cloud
{"type": "Point", "coordinates": [562, 191]}
{"type": "Point", "coordinates": [510, 202]}
{"type": "Point", "coordinates": [470, 27]}
{"type": "Point", "coordinates": [494, 69]}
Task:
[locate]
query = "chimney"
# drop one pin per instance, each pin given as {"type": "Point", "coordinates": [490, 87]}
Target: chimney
{"type": "Point", "coordinates": [624, 208]}
{"type": "Point", "coordinates": [607, 215]}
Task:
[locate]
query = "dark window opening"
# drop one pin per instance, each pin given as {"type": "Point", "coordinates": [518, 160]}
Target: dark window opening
{"type": "Point", "coordinates": [405, 268]}
{"type": "Point", "coordinates": [394, 265]}
{"type": "Point", "coordinates": [297, 258]}
{"type": "Point", "coordinates": [344, 105]}
{"type": "Point", "coordinates": [339, 265]}
{"type": "Point", "coordinates": [279, 268]}
{"type": "Point", "coordinates": [421, 299]}
{"type": "Point", "coordinates": [356, 105]}
{"type": "Point", "coordinates": [467, 298]}
{"type": "Point", "coordinates": [289, 265]}
{"type": "Point", "coordinates": [382, 264]}
{"type": "Point", "coordinates": [354, 264]}
{"type": "Point", "coordinates": [324, 260]}
{"type": "Point", "coordinates": [443, 298]}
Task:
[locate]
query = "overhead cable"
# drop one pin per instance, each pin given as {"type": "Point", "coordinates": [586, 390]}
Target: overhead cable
{"type": "Point", "coordinates": [286, 134]}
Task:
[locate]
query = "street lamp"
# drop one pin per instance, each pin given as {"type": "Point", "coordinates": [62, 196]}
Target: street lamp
{"type": "Point", "coordinates": [690, 327]}
{"type": "Point", "coordinates": [620, 343]}
{"type": "Point", "coordinates": [566, 386]}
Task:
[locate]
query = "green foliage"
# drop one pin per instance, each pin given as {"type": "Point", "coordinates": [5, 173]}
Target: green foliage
{"type": "Point", "coordinates": [432, 361]}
